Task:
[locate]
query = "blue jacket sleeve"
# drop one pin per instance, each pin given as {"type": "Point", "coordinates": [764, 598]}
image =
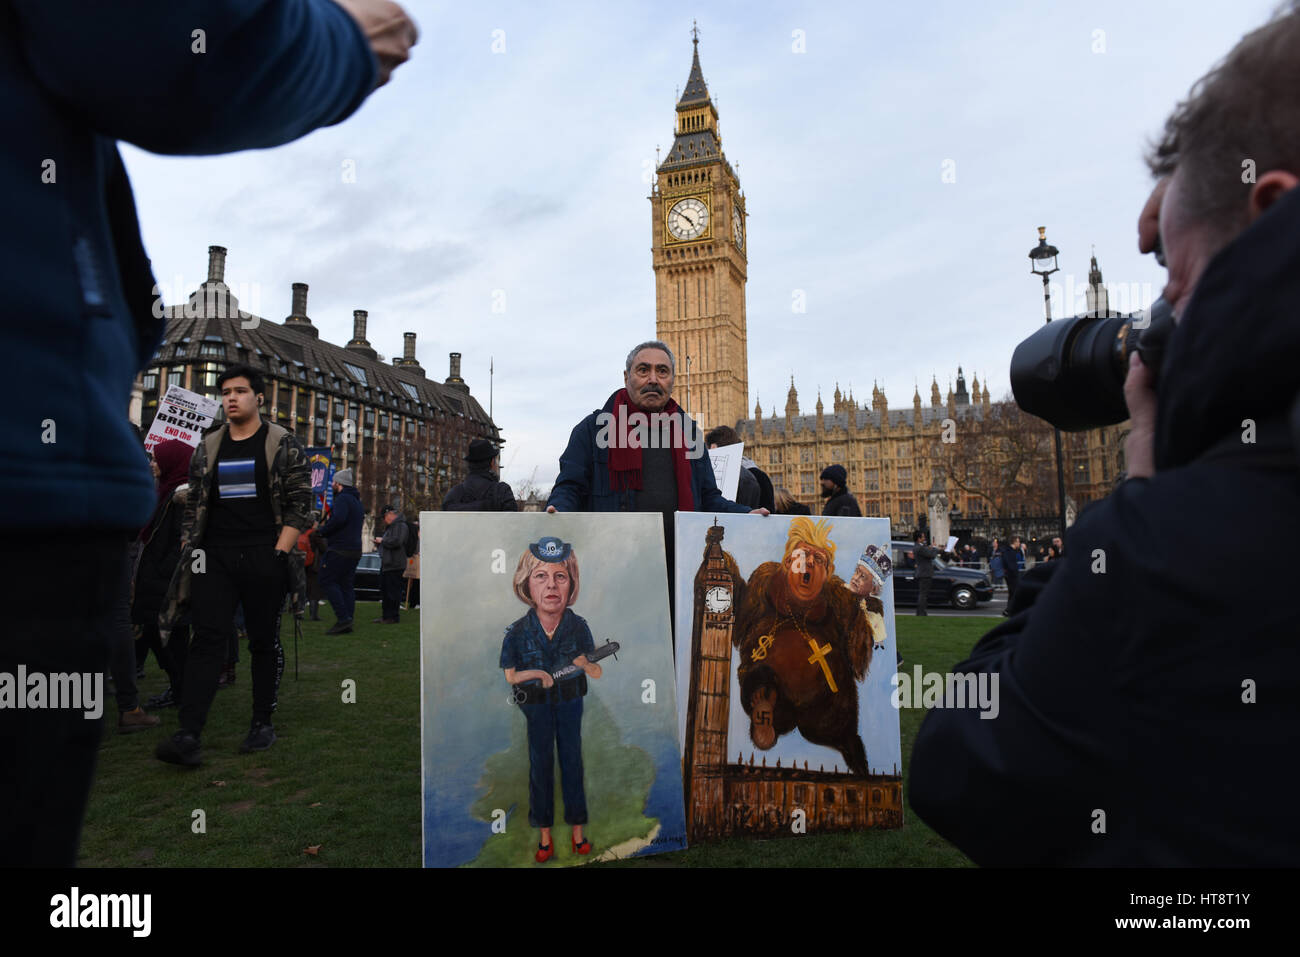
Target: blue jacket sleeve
{"type": "Point", "coordinates": [572, 489]}
{"type": "Point", "coordinates": [261, 72]}
{"type": "Point", "coordinates": [509, 652]}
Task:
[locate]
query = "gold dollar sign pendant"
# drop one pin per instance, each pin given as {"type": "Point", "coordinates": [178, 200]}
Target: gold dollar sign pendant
{"type": "Point", "coordinates": [760, 652]}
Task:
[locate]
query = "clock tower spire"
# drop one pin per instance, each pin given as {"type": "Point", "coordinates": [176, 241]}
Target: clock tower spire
{"type": "Point", "coordinates": [698, 251]}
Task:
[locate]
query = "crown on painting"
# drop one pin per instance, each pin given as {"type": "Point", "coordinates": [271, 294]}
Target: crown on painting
{"type": "Point", "coordinates": [877, 561]}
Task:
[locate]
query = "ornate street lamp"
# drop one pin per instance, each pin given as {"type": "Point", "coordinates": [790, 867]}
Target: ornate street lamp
{"type": "Point", "coordinates": [1042, 262]}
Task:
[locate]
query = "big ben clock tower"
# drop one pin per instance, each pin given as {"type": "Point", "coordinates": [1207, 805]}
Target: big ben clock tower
{"type": "Point", "coordinates": [699, 242]}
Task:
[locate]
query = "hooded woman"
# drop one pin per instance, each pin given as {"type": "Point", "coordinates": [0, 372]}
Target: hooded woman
{"type": "Point", "coordinates": [160, 550]}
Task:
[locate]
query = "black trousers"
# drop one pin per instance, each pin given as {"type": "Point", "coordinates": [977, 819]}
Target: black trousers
{"type": "Point", "coordinates": [171, 656]}
{"type": "Point", "coordinates": [47, 755]}
{"type": "Point", "coordinates": [257, 578]}
{"type": "Point", "coordinates": [314, 594]}
{"type": "Point", "coordinates": [121, 663]}
{"type": "Point", "coordinates": [923, 594]}
{"type": "Point", "coordinates": [391, 585]}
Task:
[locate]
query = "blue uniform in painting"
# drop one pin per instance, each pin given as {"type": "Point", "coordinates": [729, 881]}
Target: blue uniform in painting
{"type": "Point", "coordinates": [554, 715]}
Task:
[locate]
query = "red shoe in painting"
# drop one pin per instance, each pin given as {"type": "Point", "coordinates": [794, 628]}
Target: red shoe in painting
{"type": "Point", "coordinates": [583, 848]}
{"type": "Point", "coordinates": [544, 853]}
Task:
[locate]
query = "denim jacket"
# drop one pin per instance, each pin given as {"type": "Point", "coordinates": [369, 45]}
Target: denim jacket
{"type": "Point", "coordinates": [526, 646]}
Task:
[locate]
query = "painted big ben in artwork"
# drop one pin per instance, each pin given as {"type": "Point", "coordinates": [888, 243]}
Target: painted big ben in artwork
{"type": "Point", "coordinates": [699, 253]}
{"type": "Point", "coordinates": [717, 584]}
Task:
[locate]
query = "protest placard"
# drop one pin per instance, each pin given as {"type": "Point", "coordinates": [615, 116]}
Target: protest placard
{"type": "Point", "coordinates": [182, 415]}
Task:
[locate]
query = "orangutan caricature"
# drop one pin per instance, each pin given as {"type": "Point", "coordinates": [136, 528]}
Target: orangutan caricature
{"type": "Point", "coordinates": [805, 642]}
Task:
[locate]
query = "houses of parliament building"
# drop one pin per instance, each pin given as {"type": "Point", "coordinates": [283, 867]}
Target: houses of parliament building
{"type": "Point", "coordinates": [986, 460]}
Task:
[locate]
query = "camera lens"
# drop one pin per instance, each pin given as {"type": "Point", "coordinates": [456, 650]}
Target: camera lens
{"type": "Point", "coordinates": [1067, 373]}
{"type": "Point", "coordinates": [1071, 372]}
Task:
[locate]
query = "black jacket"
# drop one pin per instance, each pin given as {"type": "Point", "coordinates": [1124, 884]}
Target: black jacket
{"type": "Point", "coordinates": [925, 556]}
{"type": "Point", "coordinates": [766, 493]}
{"type": "Point", "coordinates": [480, 492]}
{"type": "Point", "coordinates": [1148, 713]}
{"type": "Point", "coordinates": [842, 503]}
{"type": "Point", "coordinates": [1010, 562]}
{"type": "Point", "coordinates": [748, 491]}
{"type": "Point", "coordinates": [158, 557]}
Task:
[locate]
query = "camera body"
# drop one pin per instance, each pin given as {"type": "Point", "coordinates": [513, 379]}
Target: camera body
{"type": "Point", "coordinates": [1071, 372]}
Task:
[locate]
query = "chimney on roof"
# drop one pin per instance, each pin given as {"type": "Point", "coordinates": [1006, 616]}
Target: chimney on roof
{"type": "Point", "coordinates": [408, 360]}
{"type": "Point", "coordinates": [216, 264]}
{"type": "Point", "coordinates": [454, 380]}
{"type": "Point", "coordinates": [358, 342]}
{"type": "Point", "coordinates": [297, 318]}
{"type": "Point", "coordinates": [213, 299]}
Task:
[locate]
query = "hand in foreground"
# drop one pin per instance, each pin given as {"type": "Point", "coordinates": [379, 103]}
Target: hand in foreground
{"type": "Point", "coordinates": [759, 511]}
{"type": "Point", "coordinates": [1140, 395]}
{"type": "Point", "coordinates": [389, 30]}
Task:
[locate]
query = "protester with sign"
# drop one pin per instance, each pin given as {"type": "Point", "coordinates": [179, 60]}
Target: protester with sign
{"type": "Point", "coordinates": [250, 498]}
{"type": "Point", "coordinates": [160, 543]}
{"type": "Point", "coordinates": [182, 415]}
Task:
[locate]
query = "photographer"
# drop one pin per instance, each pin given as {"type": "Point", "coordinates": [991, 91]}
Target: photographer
{"type": "Point", "coordinates": [1147, 712]}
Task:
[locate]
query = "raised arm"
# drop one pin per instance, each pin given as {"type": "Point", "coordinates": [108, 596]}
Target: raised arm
{"type": "Point", "coordinates": [200, 76]}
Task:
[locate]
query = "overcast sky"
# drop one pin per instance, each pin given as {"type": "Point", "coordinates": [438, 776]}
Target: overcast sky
{"type": "Point", "coordinates": [517, 177]}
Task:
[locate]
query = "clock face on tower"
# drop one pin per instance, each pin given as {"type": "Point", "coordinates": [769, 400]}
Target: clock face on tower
{"type": "Point", "coordinates": [737, 230]}
{"type": "Point", "coordinates": [717, 600]}
{"type": "Point", "coordinates": [688, 219]}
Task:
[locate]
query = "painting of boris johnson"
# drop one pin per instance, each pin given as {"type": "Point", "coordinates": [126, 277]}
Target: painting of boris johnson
{"type": "Point", "coordinates": [548, 708]}
{"type": "Point", "coordinates": [785, 713]}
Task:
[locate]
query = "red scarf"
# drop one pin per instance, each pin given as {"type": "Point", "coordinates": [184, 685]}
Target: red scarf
{"type": "Point", "coordinates": [625, 460]}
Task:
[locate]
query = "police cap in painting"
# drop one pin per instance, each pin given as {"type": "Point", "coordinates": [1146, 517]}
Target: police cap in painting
{"type": "Point", "coordinates": [550, 549]}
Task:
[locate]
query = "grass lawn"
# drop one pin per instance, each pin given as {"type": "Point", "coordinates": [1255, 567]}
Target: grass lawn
{"type": "Point", "coordinates": [345, 778]}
